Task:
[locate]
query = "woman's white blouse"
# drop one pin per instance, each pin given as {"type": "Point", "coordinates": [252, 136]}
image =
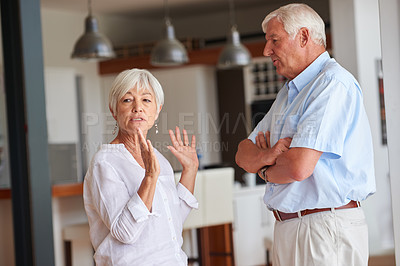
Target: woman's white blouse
{"type": "Point", "coordinates": [122, 230]}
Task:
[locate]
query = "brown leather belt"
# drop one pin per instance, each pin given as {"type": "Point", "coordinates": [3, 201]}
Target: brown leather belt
{"type": "Point", "coordinates": [282, 216]}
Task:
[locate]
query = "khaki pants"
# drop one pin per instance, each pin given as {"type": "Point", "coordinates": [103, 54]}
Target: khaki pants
{"type": "Point", "coordinates": [332, 238]}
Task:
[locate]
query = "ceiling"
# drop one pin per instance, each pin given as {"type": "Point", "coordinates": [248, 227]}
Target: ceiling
{"type": "Point", "coordinates": [150, 8]}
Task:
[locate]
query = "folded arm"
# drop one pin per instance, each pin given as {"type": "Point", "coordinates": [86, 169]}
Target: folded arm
{"type": "Point", "coordinates": [287, 165]}
{"type": "Point", "coordinates": [296, 164]}
{"type": "Point", "coordinates": [251, 157]}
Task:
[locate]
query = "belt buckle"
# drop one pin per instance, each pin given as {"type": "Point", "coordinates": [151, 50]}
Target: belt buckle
{"type": "Point", "coordinates": [277, 215]}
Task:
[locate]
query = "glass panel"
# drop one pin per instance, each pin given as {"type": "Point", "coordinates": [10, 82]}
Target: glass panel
{"type": "Point", "coordinates": [4, 164]}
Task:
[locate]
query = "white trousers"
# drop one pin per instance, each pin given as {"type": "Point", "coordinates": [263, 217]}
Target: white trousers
{"type": "Point", "coordinates": [332, 238]}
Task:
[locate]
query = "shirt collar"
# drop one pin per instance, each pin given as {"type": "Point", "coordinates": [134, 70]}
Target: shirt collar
{"type": "Point", "coordinates": [310, 72]}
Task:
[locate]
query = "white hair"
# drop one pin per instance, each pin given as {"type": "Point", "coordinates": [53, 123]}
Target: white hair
{"type": "Point", "coordinates": [140, 79]}
{"type": "Point", "coordinates": [297, 16]}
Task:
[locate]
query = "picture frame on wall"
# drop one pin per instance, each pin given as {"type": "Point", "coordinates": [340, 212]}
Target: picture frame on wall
{"type": "Point", "coordinates": [381, 101]}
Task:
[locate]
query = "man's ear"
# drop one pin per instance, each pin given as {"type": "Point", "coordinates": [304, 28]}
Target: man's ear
{"type": "Point", "coordinates": [304, 37]}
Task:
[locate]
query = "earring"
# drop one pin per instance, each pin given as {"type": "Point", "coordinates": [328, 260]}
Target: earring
{"type": "Point", "coordinates": [156, 126]}
{"type": "Point", "coordinates": [115, 128]}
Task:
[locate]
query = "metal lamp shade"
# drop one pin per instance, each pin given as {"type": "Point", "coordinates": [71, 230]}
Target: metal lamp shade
{"type": "Point", "coordinates": [92, 44]}
{"type": "Point", "coordinates": [169, 51]}
{"type": "Point", "coordinates": [234, 53]}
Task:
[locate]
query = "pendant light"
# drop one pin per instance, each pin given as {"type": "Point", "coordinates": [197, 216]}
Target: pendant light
{"type": "Point", "coordinates": [92, 44]}
{"type": "Point", "coordinates": [169, 51]}
{"type": "Point", "coordinates": [234, 53]}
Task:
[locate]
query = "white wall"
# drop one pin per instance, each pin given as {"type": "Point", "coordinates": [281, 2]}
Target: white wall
{"type": "Point", "coordinates": [368, 51]}
{"type": "Point", "coordinates": [356, 45]}
{"type": "Point", "coordinates": [342, 12]}
{"type": "Point", "coordinates": [60, 30]}
{"type": "Point", "coordinates": [390, 28]}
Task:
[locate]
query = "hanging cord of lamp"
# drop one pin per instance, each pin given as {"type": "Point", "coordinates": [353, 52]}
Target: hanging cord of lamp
{"type": "Point", "coordinates": [169, 51]}
{"type": "Point", "coordinates": [234, 53]}
{"type": "Point", "coordinates": [92, 45]}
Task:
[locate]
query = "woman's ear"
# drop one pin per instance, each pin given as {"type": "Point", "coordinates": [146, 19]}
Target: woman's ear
{"type": "Point", "coordinates": [112, 112]}
{"type": "Point", "coordinates": [158, 112]}
{"type": "Point", "coordinates": [304, 37]}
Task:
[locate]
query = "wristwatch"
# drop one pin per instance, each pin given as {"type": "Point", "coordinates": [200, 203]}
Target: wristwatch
{"type": "Point", "coordinates": [263, 173]}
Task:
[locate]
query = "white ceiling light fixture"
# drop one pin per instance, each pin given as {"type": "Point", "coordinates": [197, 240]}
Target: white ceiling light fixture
{"type": "Point", "coordinates": [234, 53]}
{"type": "Point", "coordinates": [92, 44]}
{"type": "Point", "coordinates": [169, 51]}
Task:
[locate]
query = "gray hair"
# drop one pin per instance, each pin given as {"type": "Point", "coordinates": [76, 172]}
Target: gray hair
{"type": "Point", "coordinates": [297, 16]}
{"type": "Point", "coordinates": [140, 79]}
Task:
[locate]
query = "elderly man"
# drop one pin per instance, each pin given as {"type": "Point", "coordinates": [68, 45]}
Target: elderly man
{"type": "Point", "coordinates": [313, 148]}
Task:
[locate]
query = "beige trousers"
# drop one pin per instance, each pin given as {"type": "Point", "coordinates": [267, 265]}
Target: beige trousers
{"type": "Point", "coordinates": [332, 238]}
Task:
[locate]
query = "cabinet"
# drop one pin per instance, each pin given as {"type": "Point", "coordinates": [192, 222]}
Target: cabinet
{"type": "Point", "coordinates": [262, 82]}
{"type": "Point", "coordinates": [212, 242]}
{"type": "Point", "coordinates": [253, 226]}
{"type": "Point", "coordinates": [213, 191]}
{"type": "Point", "coordinates": [244, 97]}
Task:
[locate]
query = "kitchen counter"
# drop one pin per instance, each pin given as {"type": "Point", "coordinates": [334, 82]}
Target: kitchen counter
{"type": "Point", "coordinates": [59, 190]}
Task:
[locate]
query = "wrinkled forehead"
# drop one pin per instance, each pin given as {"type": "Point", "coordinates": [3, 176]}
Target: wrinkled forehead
{"type": "Point", "coordinates": [141, 90]}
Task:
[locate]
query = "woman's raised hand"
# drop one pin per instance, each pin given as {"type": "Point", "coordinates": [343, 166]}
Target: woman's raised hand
{"type": "Point", "coordinates": [148, 156]}
{"type": "Point", "coordinates": [183, 150]}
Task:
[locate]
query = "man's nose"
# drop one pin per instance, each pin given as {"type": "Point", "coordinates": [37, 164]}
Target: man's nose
{"type": "Point", "coordinates": [267, 50]}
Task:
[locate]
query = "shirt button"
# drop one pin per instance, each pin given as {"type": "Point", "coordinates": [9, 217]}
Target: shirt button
{"type": "Point", "coordinates": [174, 238]}
{"type": "Point", "coordinates": [169, 219]}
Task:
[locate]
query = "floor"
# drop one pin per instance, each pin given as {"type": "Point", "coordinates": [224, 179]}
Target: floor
{"type": "Point", "coordinates": [384, 260]}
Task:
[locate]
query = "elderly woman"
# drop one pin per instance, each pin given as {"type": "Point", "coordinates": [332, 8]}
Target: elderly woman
{"type": "Point", "coordinates": [134, 207]}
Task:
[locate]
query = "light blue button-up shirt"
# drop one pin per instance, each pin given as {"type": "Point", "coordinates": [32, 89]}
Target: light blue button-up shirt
{"type": "Point", "coordinates": [322, 109]}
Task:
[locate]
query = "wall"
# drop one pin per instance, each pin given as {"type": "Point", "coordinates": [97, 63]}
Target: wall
{"type": "Point", "coordinates": [368, 52]}
{"type": "Point", "coordinates": [60, 30]}
{"type": "Point", "coordinates": [390, 28]}
{"type": "Point", "coordinates": [356, 45]}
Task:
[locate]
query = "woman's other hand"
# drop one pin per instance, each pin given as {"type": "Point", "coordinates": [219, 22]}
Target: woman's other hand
{"type": "Point", "coordinates": [186, 154]}
{"type": "Point", "coordinates": [148, 156]}
{"type": "Point", "coordinates": [183, 150]}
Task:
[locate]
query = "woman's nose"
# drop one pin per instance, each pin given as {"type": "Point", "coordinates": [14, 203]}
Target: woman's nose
{"type": "Point", "coordinates": [137, 106]}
